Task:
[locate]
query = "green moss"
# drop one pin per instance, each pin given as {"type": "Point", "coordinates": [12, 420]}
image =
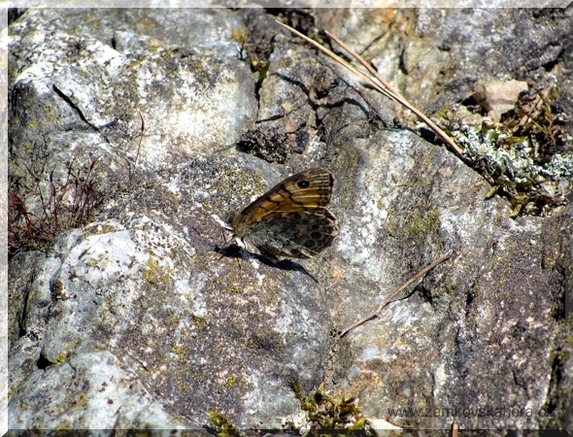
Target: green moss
{"type": "Point", "coordinates": [200, 322]}
{"type": "Point", "coordinates": [233, 289]}
{"type": "Point", "coordinates": [62, 429]}
{"type": "Point", "coordinates": [443, 112]}
{"type": "Point", "coordinates": [31, 296]}
{"type": "Point", "coordinates": [177, 350]}
{"type": "Point", "coordinates": [419, 223]}
{"type": "Point", "coordinates": [327, 413]}
{"type": "Point", "coordinates": [81, 400]}
{"type": "Point", "coordinates": [62, 357]}
{"type": "Point", "coordinates": [108, 228]}
{"type": "Point", "coordinates": [239, 36]}
{"type": "Point", "coordinates": [77, 402]}
{"type": "Point", "coordinates": [156, 273]}
{"type": "Point", "coordinates": [224, 427]}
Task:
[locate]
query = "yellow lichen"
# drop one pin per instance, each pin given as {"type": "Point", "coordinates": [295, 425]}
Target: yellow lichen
{"type": "Point", "coordinates": [155, 272]}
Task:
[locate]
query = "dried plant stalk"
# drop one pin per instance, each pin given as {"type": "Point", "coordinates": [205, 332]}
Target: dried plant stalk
{"type": "Point", "coordinates": [379, 85]}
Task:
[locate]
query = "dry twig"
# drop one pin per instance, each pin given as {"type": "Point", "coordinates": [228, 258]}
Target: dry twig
{"type": "Point", "coordinates": [394, 294]}
{"type": "Point", "coordinates": [381, 85]}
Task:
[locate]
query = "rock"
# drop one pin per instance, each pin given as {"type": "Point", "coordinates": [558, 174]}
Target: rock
{"type": "Point", "coordinates": [91, 390]}
{"type": "Point", "coordinates": [498, 97]}
{"type": "Point", "coordinates": [134, 311]}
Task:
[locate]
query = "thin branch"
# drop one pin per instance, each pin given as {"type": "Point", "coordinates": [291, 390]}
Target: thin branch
{"type": "Point", "coordinates": [394, 294]}
{"type": "Point", "coordinates": [397, 96]}
{"type": "Point", "coordinates": [338, 59]}
{"type": "Point", "coordinates": [381, 86]}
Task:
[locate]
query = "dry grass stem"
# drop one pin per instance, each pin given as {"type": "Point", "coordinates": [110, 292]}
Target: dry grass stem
{"type": "Point", "coordinates": [394, 294]}
{"type": "Point", "coordinates": [380, 85]}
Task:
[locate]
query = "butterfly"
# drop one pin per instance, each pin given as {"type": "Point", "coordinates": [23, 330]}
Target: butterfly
{"type": "Point", "coordinates": [291, 219]}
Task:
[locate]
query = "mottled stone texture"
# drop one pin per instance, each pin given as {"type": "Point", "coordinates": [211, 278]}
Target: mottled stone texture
{"type": "Point", "coordinates": [140, 315]}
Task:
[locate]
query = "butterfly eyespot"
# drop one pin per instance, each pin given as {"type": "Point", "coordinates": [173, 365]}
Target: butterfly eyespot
{"type": "Point", "coordinates": [291, 219]}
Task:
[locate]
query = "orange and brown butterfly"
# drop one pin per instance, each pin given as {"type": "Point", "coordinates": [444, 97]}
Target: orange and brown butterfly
{"type": "Point", "coordinates": [291, 219]}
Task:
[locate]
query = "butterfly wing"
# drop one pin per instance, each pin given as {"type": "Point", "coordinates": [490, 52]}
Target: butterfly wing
{"type": "Point", "coordinates": [304, 191]}
{"type": "Point", "coordinates": [299, 234]}
{"type": "Point", "coordinates": [291, 219]}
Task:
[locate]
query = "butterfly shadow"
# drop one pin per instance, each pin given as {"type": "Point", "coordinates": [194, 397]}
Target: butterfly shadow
{"type": "Point", "coordinates": [235, 251]}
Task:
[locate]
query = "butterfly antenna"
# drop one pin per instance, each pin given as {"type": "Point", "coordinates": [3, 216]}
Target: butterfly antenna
{"type": "Point", "coordinates": [224, 244]}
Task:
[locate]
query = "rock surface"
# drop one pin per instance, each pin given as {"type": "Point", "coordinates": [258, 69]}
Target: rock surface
{"type": "Point", "coordinates": [140, 316]}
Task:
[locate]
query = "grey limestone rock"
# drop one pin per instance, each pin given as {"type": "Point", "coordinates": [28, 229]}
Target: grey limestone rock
{"type": "Point", "coordinates": [138, 313]}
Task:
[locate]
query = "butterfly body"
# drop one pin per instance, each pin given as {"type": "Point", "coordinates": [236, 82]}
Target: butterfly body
{"type": "Point", "coordinates": [291, 219]}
